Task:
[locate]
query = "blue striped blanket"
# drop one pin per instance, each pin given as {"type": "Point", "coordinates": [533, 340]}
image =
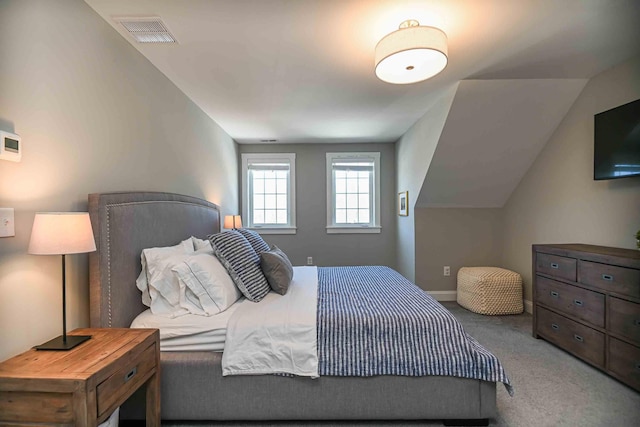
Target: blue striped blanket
{"type": "Point", "coordinates": [373, 321]}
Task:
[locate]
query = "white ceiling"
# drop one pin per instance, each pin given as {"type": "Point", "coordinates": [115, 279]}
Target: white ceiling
{"type": "Point", "coordinates": [302, 70]}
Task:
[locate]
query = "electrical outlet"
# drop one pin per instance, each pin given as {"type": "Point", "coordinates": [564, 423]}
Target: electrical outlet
{"type": "Point", "coordinates": [7, 228]}
{"type": "Point", "coordinates": [309, 260]}
{"type": "Point", "coordinates": [447, 270]}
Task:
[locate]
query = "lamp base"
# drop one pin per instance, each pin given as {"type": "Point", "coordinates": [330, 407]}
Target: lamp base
{"type": "Point", "coordinates": [59, 343]}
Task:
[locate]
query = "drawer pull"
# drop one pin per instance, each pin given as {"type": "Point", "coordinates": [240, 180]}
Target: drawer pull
{"type": "Point", "coordinates": [578, 303]}
{"type": "Point", "coordinates": [637, 322]}
{"type": "Point", "coordinates": [607, 277]}
{"type": "Point", "coordinates": [578, 338]}
{"type": "Point", "coordinates": [131, 374]}
{"type": "Point", "coordinates": [554, 265]}
{"type": "Point", "coordinates": [554, 294]}
{"type": "Point", "coordinates": [554, 326]}
{"type": "Point", "coordinates": [638, 366]}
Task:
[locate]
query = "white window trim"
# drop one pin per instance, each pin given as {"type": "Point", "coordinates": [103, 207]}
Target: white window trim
{"type": "Point", "coordinates": [333, 228]}
{"type": "Point", "coordinates": [271, 229]}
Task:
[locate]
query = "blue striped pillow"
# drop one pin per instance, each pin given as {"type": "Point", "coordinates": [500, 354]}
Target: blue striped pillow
{"type": "Point", "coordinates": [243, 263]}
{"type": "Point", "coordinates": [257, 242]}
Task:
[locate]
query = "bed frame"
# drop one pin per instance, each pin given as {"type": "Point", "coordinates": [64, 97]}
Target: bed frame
{"type": "Point", "coordinates": [192, 385]}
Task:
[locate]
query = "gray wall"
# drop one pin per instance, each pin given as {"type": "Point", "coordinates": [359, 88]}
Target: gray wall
{"type": "Point", "coordinates": [311, 209]}
{"type": "Point", "coordinates": [414, 152]}
{"type": "Point", "coordinates": [457, 237]}
{"type": "Point", "coordinates": [94, 115]}
{"type": "Point", "coordinates": [558, 201]}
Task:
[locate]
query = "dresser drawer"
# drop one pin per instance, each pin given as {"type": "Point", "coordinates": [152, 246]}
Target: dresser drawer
{"type": "Point", "coordinates": [125, 380]}
{"type": "Point", "coordinates": [621, 280]}
{"type": "Point", "coordinates": [556, 266]}
{"type": "Point", "coordinates": [624, 361]}
{"type": "Point", "coordinates": [574, 337]}
{"type": "Point", "coordinates": [624, 318]}
{"type": "Point", "coordinates": [581, 303]}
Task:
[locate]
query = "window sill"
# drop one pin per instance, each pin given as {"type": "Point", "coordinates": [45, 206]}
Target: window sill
{"type": "Point", "coordinates": [353, 230]}
{"type": "Point", "coordinates": [274, 230]}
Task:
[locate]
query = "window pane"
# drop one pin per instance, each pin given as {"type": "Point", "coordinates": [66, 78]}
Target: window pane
{"type": "Point", "coordinates": [270, 186]}
{"type": "Point", "coordinates": [281, 186]}
{"type": "Point", "coordinates": [363, 201]}
{"type": "Point", "coordinates": [258, 186]}
{"type": "Point", "coordinates": [363, 216]}
{"type": "Point", "coordinates": [352, 185]}
{"type": "Point", "coordinates": [363, 174]}
{"type": "Point", "coordinates": [352, 216]}
{"type": "Point", "coordinates": [258, 216]}
{"type": "Point", "coordinates": [258, 201]}
{"type": "Point", "coordinates": [281, 201]}
{"type": "Point", "coordinates": [258, 174]}
{"type": "Point", "coordinates": [341, 216]}
{"type": "Point", "coordinates": [352, 174]}
{"type": "Point", "coordinates": [282, 174]}
{"type": "Point", "coordinates": [341, 201]}
{"type": "Point", "coordinates": [281, 216]}
{"type": "Point", "coordinates": [363, 185]}
{"type": "Point", "coordinates": [270, 216]}
{"type": "Point", "coordinates": [270, 174]}
{"type": "Point", "coordinates": [341, 174]}
{"type": "Point", "coordinates": [352, 201]}
{"type": "Point", "coordinates": [341, 185]}
{"type": "Point", "coordinates": [270, 201]}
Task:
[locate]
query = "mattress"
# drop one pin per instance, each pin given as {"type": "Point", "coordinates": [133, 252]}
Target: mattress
{"type": "Point", "coordinates": [189, 332]}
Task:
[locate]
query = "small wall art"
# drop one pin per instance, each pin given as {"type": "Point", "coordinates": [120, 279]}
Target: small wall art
{"type": "Point", "coordinates": [403, 203]}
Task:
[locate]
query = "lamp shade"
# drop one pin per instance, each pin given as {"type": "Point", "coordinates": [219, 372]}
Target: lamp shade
{"type": "Point", "coordinates": [61, 233]}
{"type": "Point", "coordinates": [411, 54]}
{"type": "Point", "coordinates": [232, 221]}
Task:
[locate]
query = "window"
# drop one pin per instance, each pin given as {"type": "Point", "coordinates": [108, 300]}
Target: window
{"type": "Point", "coordinates": [268, 188]}
{"type": "Point", "coordinates": [353, 192]}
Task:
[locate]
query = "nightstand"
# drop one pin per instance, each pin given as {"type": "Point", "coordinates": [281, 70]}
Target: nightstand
{"type": "Point", "coordinates": [82, 386]}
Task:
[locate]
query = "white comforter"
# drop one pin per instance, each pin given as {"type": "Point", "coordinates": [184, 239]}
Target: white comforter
{"type": "Point", "coordinates": [278, 334]}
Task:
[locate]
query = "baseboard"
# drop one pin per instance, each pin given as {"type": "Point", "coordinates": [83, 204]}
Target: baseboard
{"type": "Point", "coordinates": [444, 295]}
{"type": "Point", "coordinates": [528, 306]}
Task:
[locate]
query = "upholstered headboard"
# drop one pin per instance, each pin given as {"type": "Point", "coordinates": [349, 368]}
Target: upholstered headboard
{"type": "Point", "coordinates": [125, 223]}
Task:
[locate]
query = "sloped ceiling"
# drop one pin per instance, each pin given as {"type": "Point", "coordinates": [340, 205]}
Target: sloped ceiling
{"type": "Point", "coordinates": [494, 131]}
{"type": "Point", "coordinates": [303, 70]}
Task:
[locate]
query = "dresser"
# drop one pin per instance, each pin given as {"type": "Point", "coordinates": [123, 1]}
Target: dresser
{"type": "Point", "coordinates": [587, 302]}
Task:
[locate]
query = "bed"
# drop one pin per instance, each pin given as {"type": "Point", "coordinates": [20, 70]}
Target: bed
{"type": "Point", "coordinates": [193, 387]}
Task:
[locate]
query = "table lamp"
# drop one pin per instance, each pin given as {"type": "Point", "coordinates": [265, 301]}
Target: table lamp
{"type": "Point", "coordinates": [62, 233]}
{"type": "Point", "coordinates": [232, 221]}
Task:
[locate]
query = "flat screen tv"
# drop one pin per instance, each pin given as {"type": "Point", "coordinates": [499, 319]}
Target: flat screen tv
{"type": "Point", "coordinates": [617, 142]}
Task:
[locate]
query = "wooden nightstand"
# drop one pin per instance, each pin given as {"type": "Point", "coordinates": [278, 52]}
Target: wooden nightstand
{"type": "Point", "coordinates": [82, 386]}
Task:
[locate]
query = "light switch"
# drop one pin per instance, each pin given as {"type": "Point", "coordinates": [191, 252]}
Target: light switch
{"type": "Point", "coordinates": [7, 228]}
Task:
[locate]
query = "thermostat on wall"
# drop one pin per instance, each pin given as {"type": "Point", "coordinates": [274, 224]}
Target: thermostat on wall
{"type": "Point", "coordinates": [10, 146]}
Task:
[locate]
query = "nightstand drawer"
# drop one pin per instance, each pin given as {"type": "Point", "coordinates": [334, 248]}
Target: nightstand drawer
{"type": "Point", "coordinates": [576, 338]}
{"type": "Point", "coordinates": [556, 266]}
{"type": "Point", "coordinates": [621, 280]}
{"type": "Point", "coordinates": [624, 319]}
{"type": "Point", "coordinates": [581, 303]}
{"type": "Point", "coordinates": [126, 379]}
{"type": "Point", "coordinates": [624, 361]}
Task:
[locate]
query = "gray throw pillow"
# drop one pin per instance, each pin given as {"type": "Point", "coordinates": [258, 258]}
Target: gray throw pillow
{"type": "Point", "coordinates": [277, 269]}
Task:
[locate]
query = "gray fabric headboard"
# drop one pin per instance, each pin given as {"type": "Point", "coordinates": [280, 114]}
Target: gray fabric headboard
{"type": "Point", "coordinates": [125, 223]}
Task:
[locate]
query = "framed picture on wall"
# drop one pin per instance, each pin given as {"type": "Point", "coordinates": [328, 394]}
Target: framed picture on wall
{"type": "Point", "coordinates": [403, 203]}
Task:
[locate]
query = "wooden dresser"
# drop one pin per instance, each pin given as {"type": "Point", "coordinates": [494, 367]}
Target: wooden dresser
{"type": "Point", "coordinates": [82, 386]}
{"type": "Point", "coordinates": [587, 302]}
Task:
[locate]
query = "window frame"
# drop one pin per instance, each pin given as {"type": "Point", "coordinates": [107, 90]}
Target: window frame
{"type": "Point", "coordinates": [332, 227]}
{"type": "Point", "coordinates": [247, 212]}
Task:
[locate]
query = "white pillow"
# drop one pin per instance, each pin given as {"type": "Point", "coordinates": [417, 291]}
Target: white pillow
{"type": "Point", "coordinates": [202, 246]}
{"type": "Point", "coordinates": [208, 288]}
{"type": "Point", "coordinates": [149, 257]}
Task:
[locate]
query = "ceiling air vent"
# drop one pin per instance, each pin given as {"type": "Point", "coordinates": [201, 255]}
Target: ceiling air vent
{"type": "Point", "coordinates": [147, 29]}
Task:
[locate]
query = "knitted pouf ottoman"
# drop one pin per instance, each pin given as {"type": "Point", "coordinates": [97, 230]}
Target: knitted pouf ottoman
{"type": "Point", "coordinates": [490, 290]}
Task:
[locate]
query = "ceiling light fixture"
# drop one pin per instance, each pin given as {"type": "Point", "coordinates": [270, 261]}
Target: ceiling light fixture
{"type": "Point", "coordinates": [411, 54]}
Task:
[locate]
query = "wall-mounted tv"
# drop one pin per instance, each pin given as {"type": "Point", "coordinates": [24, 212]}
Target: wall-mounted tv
{"type": "Point", "coordinates": [617, 142]}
